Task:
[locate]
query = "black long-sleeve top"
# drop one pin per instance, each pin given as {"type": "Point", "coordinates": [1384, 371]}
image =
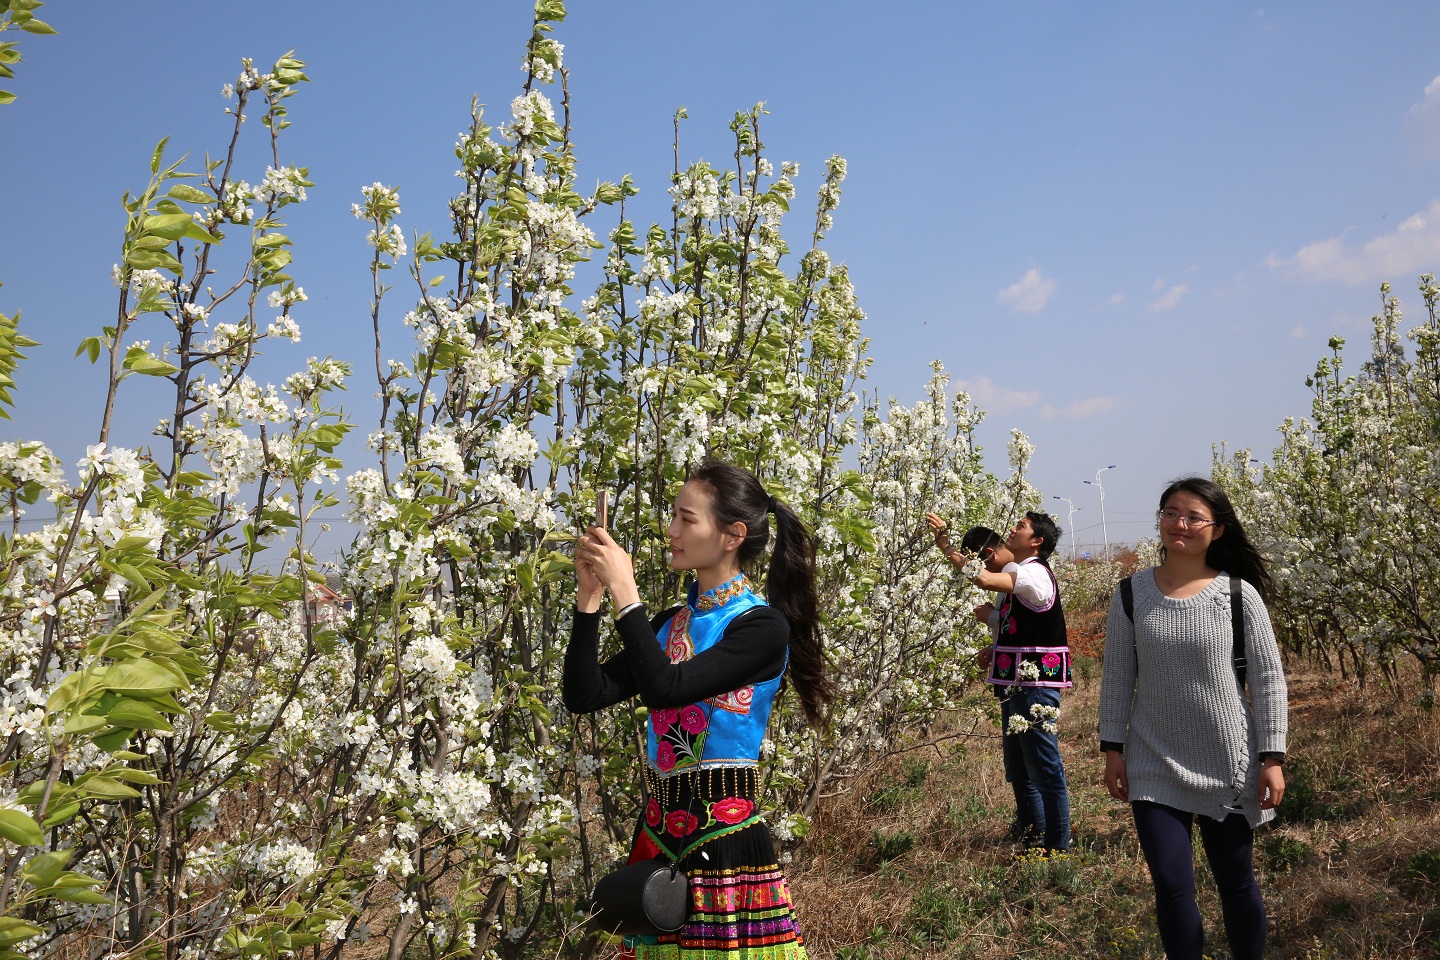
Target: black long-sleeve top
{"type": "Point", "coordinates": [751, 651]}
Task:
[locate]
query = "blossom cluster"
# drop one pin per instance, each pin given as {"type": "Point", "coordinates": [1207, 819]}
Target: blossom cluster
{"type": "Point", "coordinates": [1042, 717]}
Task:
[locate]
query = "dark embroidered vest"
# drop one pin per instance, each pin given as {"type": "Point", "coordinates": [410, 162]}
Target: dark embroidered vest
{"type": "Point", "coordinates": [1033, 649]}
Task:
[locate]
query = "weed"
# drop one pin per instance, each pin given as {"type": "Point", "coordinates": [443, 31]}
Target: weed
{"type": "Point", "coordinates": [1320, 951]}
{"type": "Point", "coordinates": [1307, 802]}
{"type": "Point", "coordinates": [861, 951]}
{"type": "Point", "coordinates": [904, 790]}
{"type": "Point", "coordinates": [1422, 872]}
{"type": "Point", "coordinates": [938, 913]}
{"type": "Point", "coordinates": [1128, 943]}
{"type": "Point", "coordinates": [1034, 871]}
{"type": "Point", "coordinates": [884, 847]}
{"type": "Point", "coordinates": [1283, 854]}
{"type": "Point", "coordinates": [968, 811]}
{"type": "Point", "coordinates": [1430, 925]}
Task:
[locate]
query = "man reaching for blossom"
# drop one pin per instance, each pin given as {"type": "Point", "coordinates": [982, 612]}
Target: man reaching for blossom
{"type": "Point", "coordinates": [1028, 666]}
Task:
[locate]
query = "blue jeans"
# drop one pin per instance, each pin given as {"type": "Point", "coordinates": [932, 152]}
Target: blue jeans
{"type": "Point", "coordinates": [1035, 771]}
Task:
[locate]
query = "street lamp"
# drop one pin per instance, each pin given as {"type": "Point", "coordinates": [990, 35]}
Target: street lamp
{"type": "Point", "coordinates": [1104, 531]}
{"type": "Point", "coordinates": [1071, 522]}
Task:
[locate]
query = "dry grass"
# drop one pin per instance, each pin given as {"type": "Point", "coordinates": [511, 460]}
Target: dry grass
{"type": "Point", "coordinates": [913, 862]}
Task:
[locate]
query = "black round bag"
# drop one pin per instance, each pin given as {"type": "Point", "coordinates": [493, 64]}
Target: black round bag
{"type": "Point", "coordinates": [641, 899]}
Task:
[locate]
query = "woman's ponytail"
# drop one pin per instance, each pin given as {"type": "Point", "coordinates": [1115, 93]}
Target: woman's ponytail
{"type": "Point", "coordinates": [791, 590]}
{"type": "Point", "coordinates": [737, 496]}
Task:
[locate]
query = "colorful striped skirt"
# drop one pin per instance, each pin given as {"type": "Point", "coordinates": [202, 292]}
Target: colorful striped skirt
{"type": "Point", "coordinates": [740, 905]}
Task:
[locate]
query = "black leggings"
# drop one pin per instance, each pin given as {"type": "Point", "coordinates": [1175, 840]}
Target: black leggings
{"type": "Point", "coordinates": [1229, 846]}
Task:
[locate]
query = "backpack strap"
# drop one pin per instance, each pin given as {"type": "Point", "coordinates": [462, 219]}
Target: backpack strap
{"type": "Point", "coordinates": [1237, 630]}
{"type": "Point", "coordinates": [1127, 603]}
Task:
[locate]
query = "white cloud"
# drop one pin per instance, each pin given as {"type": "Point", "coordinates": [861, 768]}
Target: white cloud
{"type": "Point", "coordinates": [1422, 126]}
{"type": "Point", "coordinates": [1411, 248]}
{"type": "Point", "coordinates": [1029, 294]}
{"type": "Point", "coordinates": [1116, 299]}
{"type": "Point", "coordinates": [1297, 332]}
{"type": "Point", "coordinates": [1170, 298]}
{"type": "Point", "coordinates": [993, 398]}
{"type": "Point", "coordinates": [1081, 409]}
{"type": "Point", "coordinates": [997, 399]}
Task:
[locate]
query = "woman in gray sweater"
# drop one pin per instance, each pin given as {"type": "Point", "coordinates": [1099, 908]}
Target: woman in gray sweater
{"type": "Point", "coordinates": [1181, 738]}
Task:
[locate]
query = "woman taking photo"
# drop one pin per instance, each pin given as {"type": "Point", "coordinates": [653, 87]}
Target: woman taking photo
{"type": "Point", "coordinates": [709, 672]}
{"type": "Point", "coordinates": [1182, 738]}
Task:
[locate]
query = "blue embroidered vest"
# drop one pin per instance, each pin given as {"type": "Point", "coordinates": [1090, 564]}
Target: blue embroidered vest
{"type": "Point", "coordinates": [725, 730]}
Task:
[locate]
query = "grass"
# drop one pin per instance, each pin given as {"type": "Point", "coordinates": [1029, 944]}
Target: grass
{"type": "Point", "coordinates": [914, 863]}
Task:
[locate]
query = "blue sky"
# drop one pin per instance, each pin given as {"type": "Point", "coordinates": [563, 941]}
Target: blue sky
{"type": "Point", "coordinates": [1128, 228]}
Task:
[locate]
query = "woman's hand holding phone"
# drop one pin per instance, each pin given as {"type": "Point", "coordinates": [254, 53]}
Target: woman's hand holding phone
{"type": "Point", "coordinates": [591, 589]}
{"type": "Point", "coordinates": [602, 564]}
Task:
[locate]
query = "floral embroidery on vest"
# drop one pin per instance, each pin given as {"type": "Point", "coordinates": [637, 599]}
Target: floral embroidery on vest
{"type": "Point", "coordinates": [723, 594]}
{"type": "Point", "coordinates": [680, 735]}
{"type": "Point", "coordinates": [679, 646]}
{"type": "Point", "coordinates": [736, 701]}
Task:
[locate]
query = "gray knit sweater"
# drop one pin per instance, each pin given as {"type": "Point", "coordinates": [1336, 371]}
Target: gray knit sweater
{"type": "Point", "coordinates": [1191, 735]}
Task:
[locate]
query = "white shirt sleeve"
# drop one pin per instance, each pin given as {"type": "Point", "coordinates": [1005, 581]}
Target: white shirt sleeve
{"type": "Point", "coordinates": [1033, 585]}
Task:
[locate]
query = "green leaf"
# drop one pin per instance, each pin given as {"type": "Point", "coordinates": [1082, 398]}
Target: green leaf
{"type": "Point", "coordinates": [137, 716]}
{"type": "Point", "coordinates": [44, 869]}
{"type": "Point", "coordinates": [171, 226]}
{"type": "Point", "coordinates": [20, 828]}
{"type": "Point", "coordinates": [77, 895]}
{"type": "Point", "coordinates": [72, 879]}
{"type": "Point", "coordinates": [83, 723]}
{"type": "Point", "coordinates": [111, 742]}
{"type": "Point", "coordinates": [61, 813]}
{"type": "Point", "coordinates": [6, 97]}
{"type": "Point", "coordinates": [131, 775]}
{"type": "Point", "coordinates": [138, 676]}
{"type": "Point", "coordinates": [328, 435]}
{"type": "Point", "coordinates": [188, 194]}
{"type": "Point", "coordinates": [155, 157]}
{"type": "Point", "coordinates": [130, 573]}
{"type": "Point", "coordinates": [37, 26]}
{"type": "Point", "coordinates": [140, 362]}
{"type": "Point", "coordinates": [152, 260]}
{"type": "Point", "coordinates": [105, 788]}
{"type": "Point", "coordinates": [13, 929]}
{"type": "Point", "coordinates": [90, 346]}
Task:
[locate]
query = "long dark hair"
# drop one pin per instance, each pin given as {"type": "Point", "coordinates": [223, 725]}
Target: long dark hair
{"type": "Point", "coordinates": [736, 496]}
{"type": "Point", "coordinates": [1232, 551]}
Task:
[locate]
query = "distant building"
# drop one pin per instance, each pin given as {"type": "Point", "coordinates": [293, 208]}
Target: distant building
{"type": "Point", "coordinates": [327, 602]}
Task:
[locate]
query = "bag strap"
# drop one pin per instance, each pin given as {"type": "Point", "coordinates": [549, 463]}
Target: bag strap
{"type": "Point", "coordinates": [1127, 603]}
{"type": "Point", "coordinates": [1237, 630]}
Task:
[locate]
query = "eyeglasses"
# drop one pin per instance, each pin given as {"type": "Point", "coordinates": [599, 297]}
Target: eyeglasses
{"type": "Point", "coordinates": [1190, 520]}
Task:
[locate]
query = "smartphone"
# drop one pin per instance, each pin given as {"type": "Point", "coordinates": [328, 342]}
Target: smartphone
{"type": "Point", "coordinates": [602, 509]}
